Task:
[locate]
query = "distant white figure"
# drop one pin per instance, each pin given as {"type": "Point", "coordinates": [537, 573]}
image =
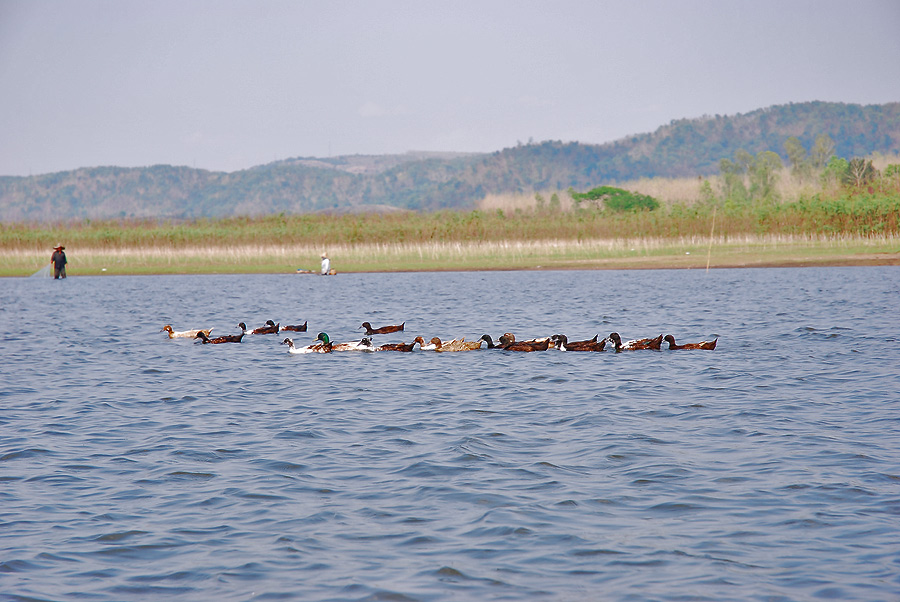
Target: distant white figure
{"type": "Point", "coordinates": [326, 264]}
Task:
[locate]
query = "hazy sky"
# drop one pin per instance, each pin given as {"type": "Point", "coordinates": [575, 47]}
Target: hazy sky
{"type": "Point", "coordinates": [226, 85]}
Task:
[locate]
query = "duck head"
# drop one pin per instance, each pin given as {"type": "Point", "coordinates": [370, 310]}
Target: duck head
{"type": "Point", "coordinates": [288, 341]}
{"type": "Point", "coordinates": [323, 337]}
{"type": "Point", "coordinates": [507, 338]}
{"type": "Point", "coordinates": [615, 339]}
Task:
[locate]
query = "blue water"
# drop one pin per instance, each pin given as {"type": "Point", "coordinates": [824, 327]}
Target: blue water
{"type": "Point", "coordinates": [134, 467]}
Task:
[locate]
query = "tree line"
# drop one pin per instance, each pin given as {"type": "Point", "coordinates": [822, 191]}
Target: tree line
{"type": "Point", "coordinates": [752, 178]}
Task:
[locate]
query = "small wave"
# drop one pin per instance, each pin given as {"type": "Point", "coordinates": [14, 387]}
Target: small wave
{"type": "Point", "coordinates": [185, 474]}
{"type": "Point", "coordinates": [430, 469]}
{"type": "Point", "coordinates": [307, 434]}
{"type": "Point", "coordinates": [119, 536]}
{"type": "Point", "coordinates": [55, 479]}
{"type": "Point", "coordinates": [25, 454]}
{"type": "Point", "coordinates": [422, 540]}
{"type": "Point", "coordinates": [595, 552]}
{"type": "Point", "coordinates": [673, 507]}
{"type": "Point", "coordinates": [448, 573]}
{"type": "Point", "coordinates": [158, 592]}
{"type": "Point", "coordinates": [18, 566]}
{"type": "Point", "coordinates": [281, 467]}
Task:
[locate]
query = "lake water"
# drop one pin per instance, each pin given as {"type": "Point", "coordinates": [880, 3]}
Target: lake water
{"type": "Point", "coordinates": [134, 467]}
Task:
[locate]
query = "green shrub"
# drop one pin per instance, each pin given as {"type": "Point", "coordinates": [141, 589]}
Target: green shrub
{"type": "Point", "coordinates": [616, 199]}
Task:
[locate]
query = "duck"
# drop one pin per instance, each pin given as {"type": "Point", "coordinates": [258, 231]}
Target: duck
{"type": "Point", "coordinates": [457, 345]}
{"type": "Point", "coordinates": [563, 344]}
{"type": "Point", "coordinates": [270, 328]}
{"type": "Point", "coordinates": [406, 347]}
{"type": "Point", "coordinates": [295, 327]}
{"type": "Point", "coordinates": [710, 345]}
{"type": "Point", "coordinates": [184, 334]}
{"type": "Point", "coordinates": [323, 346]}
{"type": "Point", "coordinates": [471, 345]}
{"type": "Point", "coordinates": [436, 344]}
{"type": "Point", "coordinates": [364, 344]}
{"type": "Point", "coordinates": [432, 345]}
{"type": "Point", "coordinates": [228, 338]}
{"type": "Point", "coordinates": [508, 342]}
{"type": "Point", "coordinates": [635, 345]}
{"type": "Point", "coordinates": [490, 342]}
{"type": "Point", "coordinates": [383, 330]}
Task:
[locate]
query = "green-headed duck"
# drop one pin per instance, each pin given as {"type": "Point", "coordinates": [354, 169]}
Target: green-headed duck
{"type": "Point", "coordinates": [322, 346]}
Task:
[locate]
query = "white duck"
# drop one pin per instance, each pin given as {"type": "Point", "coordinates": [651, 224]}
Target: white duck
{"type": "Point", "coordinates": [184, 334]}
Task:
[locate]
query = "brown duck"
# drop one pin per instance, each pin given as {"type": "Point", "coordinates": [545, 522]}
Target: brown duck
{"type": "Point", "coordinates": [563, 344]}
{"type": "Point", "coordinates": [710, 345]}
{"type": "Point", "coordinates": [270, 328]}
{"type": "Point", "coordinates": [509, 343]}
{"type": "Point", "coordinates": [636, 344]}
{"type": "Point", "coordinates": [295, 327]}
{"type": "Point", "coordinates": [405, 347]}
{"type": "Point", "coordinates": [383, 330]}
{"type": "Point", "coordinates": [228, 338]}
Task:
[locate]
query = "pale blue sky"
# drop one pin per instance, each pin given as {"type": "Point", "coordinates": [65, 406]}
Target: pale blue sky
{"type": "Point", "coordinates": [226, 84]}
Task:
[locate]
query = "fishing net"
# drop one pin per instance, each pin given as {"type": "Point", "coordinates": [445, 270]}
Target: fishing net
{"type": "Point", "coordinates": [44, 272]}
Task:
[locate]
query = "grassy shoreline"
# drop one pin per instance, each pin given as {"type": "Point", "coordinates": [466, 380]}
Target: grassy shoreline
{"type": "Point", "coordinates": [840, 227]}
{"type": "Point", "coordinates": [693, 252]}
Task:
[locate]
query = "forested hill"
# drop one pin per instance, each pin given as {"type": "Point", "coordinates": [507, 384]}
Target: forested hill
{"type": "Point", "coordinates": [687, 147]}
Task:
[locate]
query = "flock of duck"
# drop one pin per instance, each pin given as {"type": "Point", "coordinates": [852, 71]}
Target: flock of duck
{"type": "Point", "coordinates": [506, 341]}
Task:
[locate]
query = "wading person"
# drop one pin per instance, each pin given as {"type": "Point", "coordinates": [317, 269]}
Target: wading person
{"type": "Point", "coordinates": [326, 264]}
{"type": "Point", "coordinates": [58, 259]}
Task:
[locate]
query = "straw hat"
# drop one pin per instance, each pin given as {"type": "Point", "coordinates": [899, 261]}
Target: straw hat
{"type": "Point", "coordinates": [58, 248]}
{"type": "Point", "coordinates": [324, 255]}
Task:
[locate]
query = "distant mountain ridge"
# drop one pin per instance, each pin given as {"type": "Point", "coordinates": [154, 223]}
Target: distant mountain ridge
{"type": "Point", "coordinates": [425, 181]}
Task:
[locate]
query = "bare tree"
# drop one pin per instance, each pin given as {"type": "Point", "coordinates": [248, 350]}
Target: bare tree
{"type": "Point", "coordinates": [822, 150]}
{"type": "Point", "coordinates": [860, 172]}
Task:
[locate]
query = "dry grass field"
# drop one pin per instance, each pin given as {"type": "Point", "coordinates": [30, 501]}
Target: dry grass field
{"type": "Point", "coordinates": [623, 253]}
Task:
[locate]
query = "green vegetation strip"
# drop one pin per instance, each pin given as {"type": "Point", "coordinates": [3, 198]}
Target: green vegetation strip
{"type": "Point", "coordinates": [846, 228]}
